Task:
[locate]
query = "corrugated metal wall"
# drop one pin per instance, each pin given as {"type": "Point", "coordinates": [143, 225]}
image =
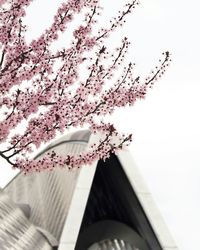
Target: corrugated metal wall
{"type": "Point", "coordinates": [112, 245]}
{"type": "Point", "coordinates": [48, 193]}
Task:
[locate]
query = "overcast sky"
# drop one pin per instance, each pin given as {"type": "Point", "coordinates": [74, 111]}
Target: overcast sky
{"type": "Point", "coordinates": [166, 125]}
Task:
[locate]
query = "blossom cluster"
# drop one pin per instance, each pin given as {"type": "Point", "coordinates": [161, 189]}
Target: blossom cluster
{"type": "Point", "coordinates": [47, 102]}
{"type": "Point", "coordinates": [102, 150]}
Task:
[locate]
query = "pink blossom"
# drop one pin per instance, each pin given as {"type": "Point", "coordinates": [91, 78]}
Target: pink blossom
{"type": "Point", "coordinates": [55, 100]}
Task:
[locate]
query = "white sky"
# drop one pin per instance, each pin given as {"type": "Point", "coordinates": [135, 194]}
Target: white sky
{"type": "Point", "coordinates": [166, 125]}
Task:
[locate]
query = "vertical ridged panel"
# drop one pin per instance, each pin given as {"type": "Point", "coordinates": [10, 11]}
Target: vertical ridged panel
{"type": "Point", "coordinates": [114, 244]}
{"type": "Point", "coordinates": [48, 193]}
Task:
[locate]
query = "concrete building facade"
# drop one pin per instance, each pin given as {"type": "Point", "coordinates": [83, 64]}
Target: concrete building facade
{"type": "Point", "coordinates": [99, 207]}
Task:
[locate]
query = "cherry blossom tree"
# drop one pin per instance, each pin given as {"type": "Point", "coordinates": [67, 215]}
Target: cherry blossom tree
{"type": "Point", "coordinates": [44, 89]}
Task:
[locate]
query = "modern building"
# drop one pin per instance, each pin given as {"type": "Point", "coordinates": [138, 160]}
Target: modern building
{"type": "Point", "coordinates": [105, 206]}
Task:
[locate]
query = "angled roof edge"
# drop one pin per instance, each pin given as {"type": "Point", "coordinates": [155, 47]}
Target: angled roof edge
{"type": "Point", "coordinates": [81, 193]}
{"type": "Point", "coordinates": [146, 200]}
